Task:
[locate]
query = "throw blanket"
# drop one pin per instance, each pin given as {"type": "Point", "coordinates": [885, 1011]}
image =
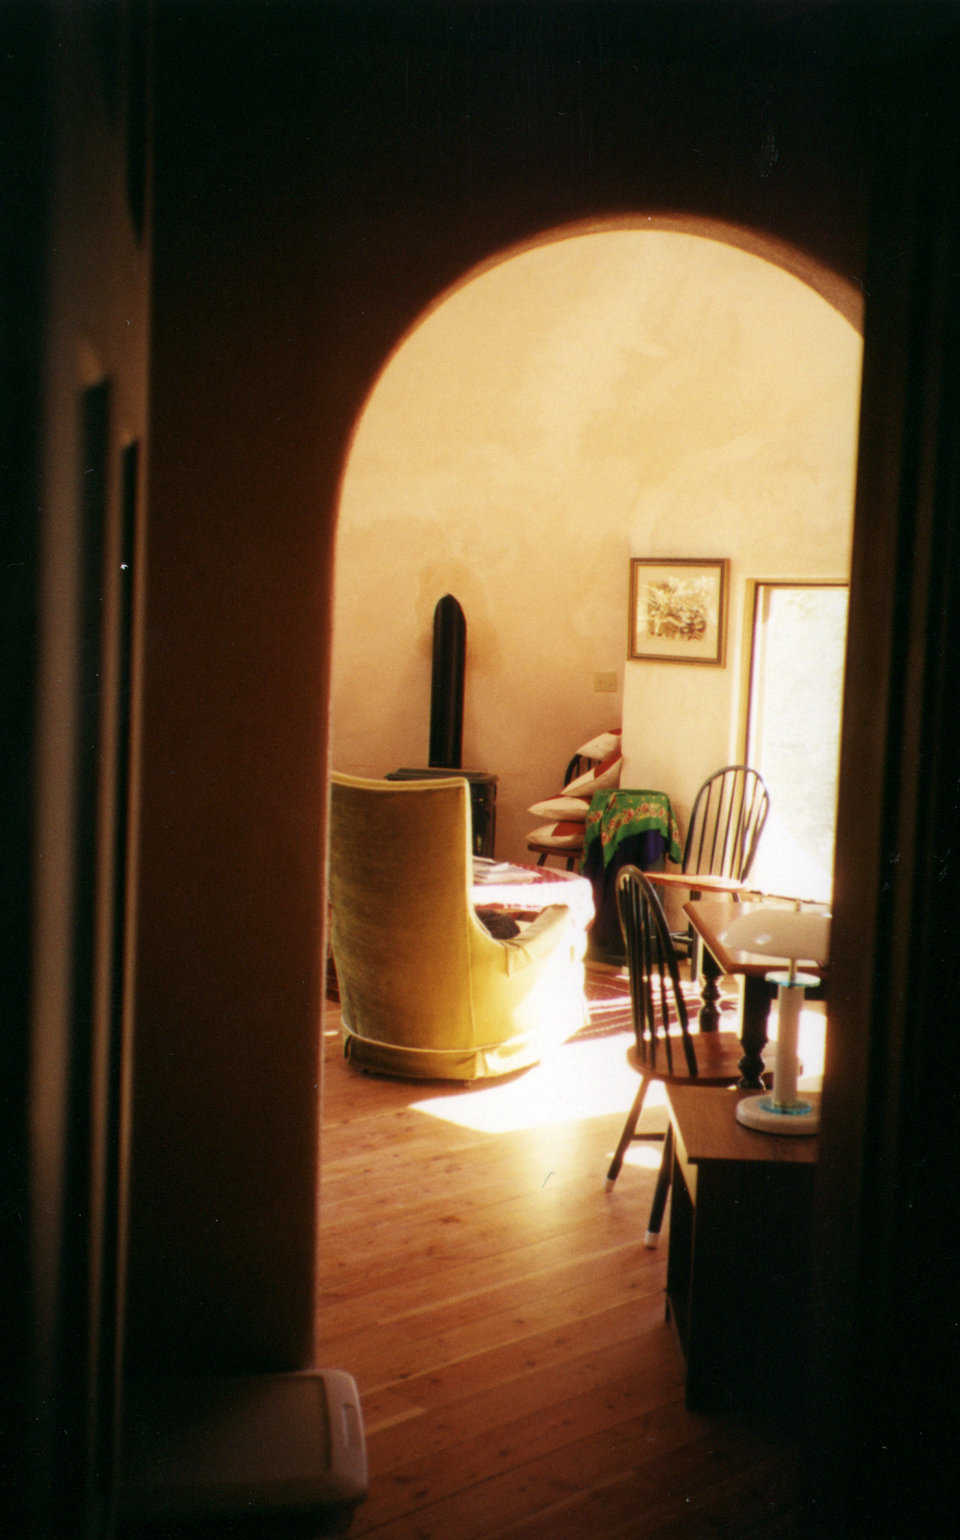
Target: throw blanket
{"type": "Point", "coordinates": [618, 815]}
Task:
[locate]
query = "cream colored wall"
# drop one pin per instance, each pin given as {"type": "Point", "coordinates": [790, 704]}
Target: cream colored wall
{"type": "Point", "coordinates": [619, 393]}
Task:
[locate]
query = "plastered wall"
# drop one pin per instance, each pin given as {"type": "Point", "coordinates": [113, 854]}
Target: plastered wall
{"type": "Point", "coordinates": [605, 395]}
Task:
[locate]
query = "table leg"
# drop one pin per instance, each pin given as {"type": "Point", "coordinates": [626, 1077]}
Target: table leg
{"type": "Point", "coordinates": [708, 970]}
{"type": "Point", "coordinates": [757, 994]}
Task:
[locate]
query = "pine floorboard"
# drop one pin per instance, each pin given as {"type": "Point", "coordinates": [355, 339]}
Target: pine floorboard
{"type": "Point", "coordinates": [505, 1324]}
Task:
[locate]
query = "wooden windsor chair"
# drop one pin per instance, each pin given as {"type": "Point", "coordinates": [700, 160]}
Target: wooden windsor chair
{"type": "Point", "coordinates": [664, 1048]}
{"type": "Point", "coordinates": [726, 822]}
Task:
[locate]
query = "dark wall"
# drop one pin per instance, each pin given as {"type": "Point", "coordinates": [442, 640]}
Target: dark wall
{"type": "Point", "coordinates": [323, 171]}
{"type": "Point", "coordinates": [74, 344]}
{"type": "Point", "coordinates": [413, 140]}
{"type": "Point", "coordinates": [322, 174]}
{"type": "Point", "coordinates": [888, 1210]}
{"type": "Point", "coordinates": [23, 129]}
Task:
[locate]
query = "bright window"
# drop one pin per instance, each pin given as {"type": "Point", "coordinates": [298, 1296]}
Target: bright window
{"type": "Point", "coordinates": [793, 731]}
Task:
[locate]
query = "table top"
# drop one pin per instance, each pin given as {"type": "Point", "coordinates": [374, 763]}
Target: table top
{"type": "Point", "coordinates": [488, 873]}
{"type": "Point", "coordinates": [500, 885]}
{"type": "Point", "coordinates": [705, 1121]}
{"type": "Point", "coordinates": [697, 882]}
{"type": "Point", "coordinates": [710, 916]}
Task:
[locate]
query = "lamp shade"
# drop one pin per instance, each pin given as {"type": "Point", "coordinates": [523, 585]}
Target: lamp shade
{"type": "Point", "coordinates": [794, 935]}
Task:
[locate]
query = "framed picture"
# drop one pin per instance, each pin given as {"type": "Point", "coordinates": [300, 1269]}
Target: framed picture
{"type": "Point", "coordinates": [678, 610]}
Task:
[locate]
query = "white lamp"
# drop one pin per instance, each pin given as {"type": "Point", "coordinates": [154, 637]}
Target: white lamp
{"type": "Point", "coordinates": [794, 935]}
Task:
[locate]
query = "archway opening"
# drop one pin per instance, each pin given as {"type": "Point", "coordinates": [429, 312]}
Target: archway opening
{"type": "Point", "coordinates": [631, 389]}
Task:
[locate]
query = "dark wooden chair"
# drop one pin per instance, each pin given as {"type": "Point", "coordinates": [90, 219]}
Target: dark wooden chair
{"type": "Point", "coordinates": [570, 854]}
{"type": "Point", "coordinates": [665, 1049]}
{"type": "Point", "coordinates": [726, 822]}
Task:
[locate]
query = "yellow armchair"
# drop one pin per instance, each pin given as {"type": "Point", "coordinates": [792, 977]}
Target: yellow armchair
{"type": "Point", "coordinates": [426, 992]}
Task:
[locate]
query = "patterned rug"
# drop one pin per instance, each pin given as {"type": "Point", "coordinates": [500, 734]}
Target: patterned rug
{"type": "Point", "coordinates": [608, 1001]}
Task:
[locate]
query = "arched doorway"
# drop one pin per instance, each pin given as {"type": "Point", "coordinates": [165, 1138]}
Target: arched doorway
{"type": "Point", "coordinates": [351, 197]}
{"type": "Point", "coordinates": [390, 489]}
{"type": "Point", "coordinates": [666, 388]}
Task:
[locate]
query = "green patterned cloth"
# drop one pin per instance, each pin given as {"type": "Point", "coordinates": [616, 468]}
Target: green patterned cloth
{"type": "Point", "coordinates": [615, 815]}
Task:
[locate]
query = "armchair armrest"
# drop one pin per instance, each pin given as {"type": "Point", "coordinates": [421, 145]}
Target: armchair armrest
{"type": "Point", "coordinates": [554, 927]}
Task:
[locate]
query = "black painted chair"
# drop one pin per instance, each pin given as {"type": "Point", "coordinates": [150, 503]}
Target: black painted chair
{"type": "Point", "coordinates": [726, 822]}
{"type": "Point", "coordinates": [664, 1047]}
{"type": "Point", "coordinates": [569, 854]}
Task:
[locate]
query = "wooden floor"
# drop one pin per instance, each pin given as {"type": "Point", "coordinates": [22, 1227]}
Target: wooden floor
{"type": "Point", "coordinates": [505, 1324]}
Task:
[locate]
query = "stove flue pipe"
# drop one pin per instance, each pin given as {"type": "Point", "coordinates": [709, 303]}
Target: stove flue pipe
{"type": "Point", "coordinates": [446, 687]}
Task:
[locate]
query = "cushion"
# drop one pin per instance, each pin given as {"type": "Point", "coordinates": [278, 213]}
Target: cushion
{"type": "Point", "coordinates": [562, 835]}
{"type": "Point", "coordinates": [501, 926]}
{"type": "Point", "coordinates": [569, 808]}
{"type": "Point", "coordinates": [604, 775]}
{"type": "Point", "coordinates": [602, 746]}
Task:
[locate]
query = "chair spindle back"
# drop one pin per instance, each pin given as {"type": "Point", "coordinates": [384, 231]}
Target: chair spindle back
{"type": "Point", "coordinates": [726, 822]}
{"type": "Point", "coordinates": [652, 964]}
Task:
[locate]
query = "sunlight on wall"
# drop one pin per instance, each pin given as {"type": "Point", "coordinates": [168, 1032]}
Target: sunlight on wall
{"type": "Point", "coordinates": [623, 392]}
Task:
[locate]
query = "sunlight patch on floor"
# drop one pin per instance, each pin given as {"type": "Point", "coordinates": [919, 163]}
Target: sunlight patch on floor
{"type": "Point", "coordinates": [645, 1154]}
{"type": "Point", "coordinates": [590, 1078]}
{"type": "Point", "coordinates": [585, 1079]}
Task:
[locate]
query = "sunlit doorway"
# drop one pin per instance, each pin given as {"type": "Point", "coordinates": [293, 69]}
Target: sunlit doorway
{"type": "Point", "coordinates": [793, 733]}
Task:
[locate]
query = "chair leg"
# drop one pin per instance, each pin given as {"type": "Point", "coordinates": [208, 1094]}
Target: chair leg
{"type": "Point", "coordinates": [629, 1128]}
{"type": "Point", "coordinates": [660, 1191]}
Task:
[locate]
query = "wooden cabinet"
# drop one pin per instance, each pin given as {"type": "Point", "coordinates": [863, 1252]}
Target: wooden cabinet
{"type": "Point", "coordinates": [738, 1269]}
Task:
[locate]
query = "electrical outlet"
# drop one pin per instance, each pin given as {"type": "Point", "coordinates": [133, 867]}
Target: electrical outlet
{"type": "Point", "coordinates": [605, 683]}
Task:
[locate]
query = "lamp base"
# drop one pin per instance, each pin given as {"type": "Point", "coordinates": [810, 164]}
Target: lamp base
{"type": "Point", "coordinates": [762, 1113]}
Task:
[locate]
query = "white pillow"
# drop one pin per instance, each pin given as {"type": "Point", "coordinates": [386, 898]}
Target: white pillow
{"type": "Point", "coordinates": [601, 746]}
{"type": "Point", "coordinates": [601, 778]}
{"type": "Point", "coordinates": [561, 807]}
{"type": "Point", "coordinates": [569, 838]}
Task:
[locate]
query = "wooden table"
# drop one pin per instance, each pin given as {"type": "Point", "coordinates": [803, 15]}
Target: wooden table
{"type": "Point", "coordinates": [501, 886]}
{"type": "Point", "coordinates": [709, 918]}
{"type": "Point", "coordinates": [697, 882]}
{"type": "Point", "coordinates": [738, 1267]}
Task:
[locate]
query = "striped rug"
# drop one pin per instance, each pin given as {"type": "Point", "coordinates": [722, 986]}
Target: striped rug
{"type": "Point", "coordinates": [608, 1001]}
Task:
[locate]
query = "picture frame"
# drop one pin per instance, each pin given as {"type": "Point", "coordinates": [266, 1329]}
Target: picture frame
{"type": "Point", "coordinates": [678, 609]}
